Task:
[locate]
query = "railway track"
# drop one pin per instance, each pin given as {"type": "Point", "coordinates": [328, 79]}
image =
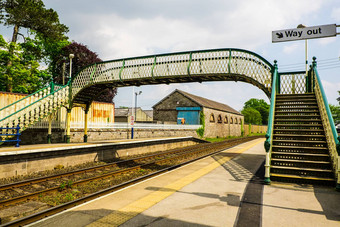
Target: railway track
{"type": "Point", "coordinates": [110, 177]}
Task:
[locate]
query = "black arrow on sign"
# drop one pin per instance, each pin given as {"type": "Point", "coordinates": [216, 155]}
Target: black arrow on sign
{"type": "Point", "coordinates": [279, 35]}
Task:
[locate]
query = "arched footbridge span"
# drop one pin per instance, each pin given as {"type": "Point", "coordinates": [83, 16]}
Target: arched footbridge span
{"type": "Point", "coordinates": [299, 107]}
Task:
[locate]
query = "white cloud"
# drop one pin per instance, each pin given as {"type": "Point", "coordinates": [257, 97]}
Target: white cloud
{"type": "Point", "coordinates": [291, 48]}
{"type": "Point", "coordinates": [331, 90]}
{"type": "Point", "coordinates": [336, 14]}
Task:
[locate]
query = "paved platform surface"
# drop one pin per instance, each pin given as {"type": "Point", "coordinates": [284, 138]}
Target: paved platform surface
{"type": "Point", "coordinates": [223, 190]}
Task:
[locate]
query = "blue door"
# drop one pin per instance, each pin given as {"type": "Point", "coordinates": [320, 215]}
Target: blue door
{"type": "Point", "coordinates": [188, 115]}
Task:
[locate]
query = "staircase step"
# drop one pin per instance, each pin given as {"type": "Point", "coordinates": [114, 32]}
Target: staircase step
{"type": "Point", "coordinates": [298, 96]}
{"type": "Point", "coordinates": [308, 99]}
{"type": "Point", "coordinates": [297, 137]}
{"type": "Point", "coordinates": [302, 179]}
{"type": "Point", "coordinates": [298, 125]}
{"type": "Point", "coordinates": [305, 111]}
{"type": "Point", "coordinates": [303, 169]}
{"type": "Point", "coordinates": [301, 130]}
{"type": "Point", "coordinates": [301, 156]}
{"type": "Point", "coordinates": [298, 122]}
{"type": "Point", "coordinates": [300, 135]}
{"type": "Point", "coordinates": [314, 142]}
{"type": "Point", "coordinates": [301, 163]}
{"type": "Point", "coordinates": [303, 172]}
{"type": "Point", "coordinates": [297, 116]}
{"type": "Point", "coordinates": [289, 108]}
{"type": "Point", "coordinates": [300, 150]}
{"type": "Point", "coordinates": [296, 104]}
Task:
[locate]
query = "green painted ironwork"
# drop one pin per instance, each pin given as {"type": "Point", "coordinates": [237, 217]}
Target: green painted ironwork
{"type": "Point", "coordinates": [190, 60]}
{"type": "Point", "coordinates": [153, 67]}
{"type": "Point", "coordinates": [210, 65]}
{"type": "Point", "coordinates": [329, 114]}
{"type": "Point", "coordinates": [120, 72]}
{"type": "Point", "coordinates": [269, 134]}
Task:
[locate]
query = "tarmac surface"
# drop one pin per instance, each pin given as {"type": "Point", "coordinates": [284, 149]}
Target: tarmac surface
{"type": "Point", "coordinates": [223, 190]}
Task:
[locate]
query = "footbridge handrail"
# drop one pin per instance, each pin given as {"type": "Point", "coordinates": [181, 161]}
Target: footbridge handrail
{"type": "Point", "coordinates": [269, 134]}
{"type": "Point", "coordinates": [38, 109]}
{"type": "Point", "coordinates": [328, 123]}
{"type": "Point", "coordinates": [17, 105]}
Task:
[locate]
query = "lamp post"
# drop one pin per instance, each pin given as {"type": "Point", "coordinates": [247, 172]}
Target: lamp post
{"type": "Point", "coordinates": [136, 94]}
{"type": "Point", "coordinates": [71, 56]}
{"type": "Point", "coordinates": [306, 48]}
{"type": "Point", "coordinates": [68, 116]}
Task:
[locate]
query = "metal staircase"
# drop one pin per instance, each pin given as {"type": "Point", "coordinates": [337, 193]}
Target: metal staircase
{"type": "Point", "coordinates": [302, 144]}
{"type": "Point", "coordinates": [299, 151]}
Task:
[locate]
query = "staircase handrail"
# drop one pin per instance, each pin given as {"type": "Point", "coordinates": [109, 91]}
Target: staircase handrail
{"type": "Point", "coordinates": [26, 97]}
{"type": "Point", "coordinates": [325, 101]}
{"type": "Point", "coordinates": [39, 100]}
{"type": "Point", "coordinates": [328, 124]}
{"type": "Point", "coordinates": [269, 134]}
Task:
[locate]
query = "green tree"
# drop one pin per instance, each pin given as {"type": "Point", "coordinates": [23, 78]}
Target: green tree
{"type": "Point", "coordinates": [261, 106]}
{"type": "Point", "coordinates": [23, 74]}
{"type": "Point", "coordinates": [21, 62]}
{"type": "Point", "coordinates": [82, 58]}
{"type": "Point", "coordinates": [33, 15]}
{"type": "Point", "coordinates": [335, 112]}
{"type": "Point", "coordinates": [251, 116]}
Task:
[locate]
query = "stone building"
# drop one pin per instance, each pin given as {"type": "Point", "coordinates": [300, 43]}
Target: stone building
{"type": "Point", "coordinates": [183, 108]}
{"type": "Point", "coordinates": [124, 115]}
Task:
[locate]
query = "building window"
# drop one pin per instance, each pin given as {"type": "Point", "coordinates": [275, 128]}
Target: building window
{"type": "Point", "coordinates": [212, 118]}
{"type": "Point", "coordinates": [235, 120]}
{"type": "Point", "coordinates": [225, 120]}
{"type": "Point", "coordinates": [219, 119]}
{"type": "Point", "coordinates": [240, 121]}
{"type": "Point", "coordinates": [231, 120]}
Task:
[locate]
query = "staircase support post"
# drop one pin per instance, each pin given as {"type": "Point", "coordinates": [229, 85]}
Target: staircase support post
{"type": "Point", "coordinates": [68, 126]}
{"type": "Point", "coordinates": [337, 186]}
{"type": "Point", "coordinates": [267, 164]}
{"type": "Point", "coordinates": [49, 134]}
{"type": "Point", "coordinates": [86, 123]}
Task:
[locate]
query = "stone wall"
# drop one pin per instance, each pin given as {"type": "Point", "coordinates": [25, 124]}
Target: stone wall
{"type": "Point", "coordinates": [254, 129]}
{"type": "Point", "coordinates": [166, 109]}
{"type": "Point", "coordinates": [39, 136]}
{"type": "Point", "coordinates": [224, 124]}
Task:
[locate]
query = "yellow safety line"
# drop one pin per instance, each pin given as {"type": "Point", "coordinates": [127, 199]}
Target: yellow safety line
{"type": "Point", "coordinates": [133, 209]}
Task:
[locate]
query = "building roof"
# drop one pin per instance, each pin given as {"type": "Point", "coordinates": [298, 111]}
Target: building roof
{"type": "Point", "coordinates": [125, 112]}
{"type": "Point", "coordinates": [122, 112]}
{"type": "Point", "coordinates": [203, 102]}
{"type": "Point", "coordinates": [149, 113]}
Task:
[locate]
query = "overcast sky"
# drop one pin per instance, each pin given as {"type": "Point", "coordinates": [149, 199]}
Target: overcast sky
{"type": "Point", "coordinates": [116, 29]}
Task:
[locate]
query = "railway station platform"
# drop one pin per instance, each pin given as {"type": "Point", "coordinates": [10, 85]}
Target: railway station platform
{"type": "Point", "coordinates": [223, 190]}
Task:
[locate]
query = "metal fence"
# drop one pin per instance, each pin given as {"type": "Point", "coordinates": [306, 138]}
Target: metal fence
{"type": "Point", "coordinates": [61, 125]}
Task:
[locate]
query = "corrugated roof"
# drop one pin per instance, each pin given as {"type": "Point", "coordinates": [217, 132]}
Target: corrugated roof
{"type": "Point", "coordinates": [209, 103]}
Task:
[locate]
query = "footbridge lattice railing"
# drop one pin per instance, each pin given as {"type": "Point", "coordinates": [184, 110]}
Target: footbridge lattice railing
{"type": "Point", "coordinates": [206, 65]}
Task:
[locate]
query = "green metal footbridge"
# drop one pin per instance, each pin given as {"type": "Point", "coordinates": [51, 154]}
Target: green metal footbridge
{"type": "Point", "coordinates": [300, 122]}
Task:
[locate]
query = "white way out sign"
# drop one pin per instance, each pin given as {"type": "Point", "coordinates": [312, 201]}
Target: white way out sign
{"type": "Point", "coordinates": [314, 32]}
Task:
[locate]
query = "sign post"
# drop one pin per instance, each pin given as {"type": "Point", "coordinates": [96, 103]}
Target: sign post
{"type": "Point", "coordinates": [304, 33]}
{"type": "Point", "coordinates": [132, 122]}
